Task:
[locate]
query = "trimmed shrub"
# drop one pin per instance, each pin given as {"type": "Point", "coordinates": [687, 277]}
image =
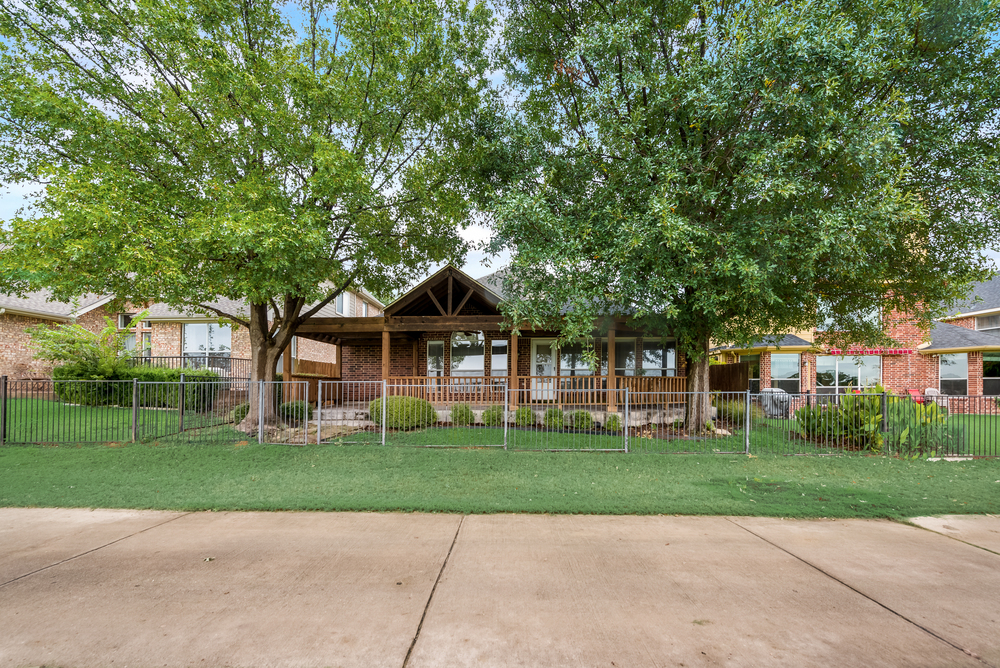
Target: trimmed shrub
{"type": "Point", "coordinates": [295, 411]}
{"type": "Point", "coordinates": [238, 413]}
{"type": "Point", "coordinates": [462, 415]}
{"type": "Point", "coordinates": [554, 418]}
{"type": "Point", "coordinates": [525, 417]}
{"type": "Point", "coordinates": [493, 416]}
{"type": "Point", "coordinates": [582, 420]}
{"type": "Point", "coordinates": [403, 413]}
{"type": "Point", "coordinates": [613, 423]}
{"type": "Point", "coordinates": [200, 387]}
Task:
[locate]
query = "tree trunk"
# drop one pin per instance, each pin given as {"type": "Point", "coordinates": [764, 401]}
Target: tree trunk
{"type": "Point", "coordinates": [265, 348]}
{"type": "Point", "coordinates": [699, 406]}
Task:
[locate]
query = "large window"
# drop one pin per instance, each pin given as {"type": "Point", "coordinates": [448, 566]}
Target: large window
{"type": "Point", "coordinates": [955, 374]}
{"type": "Point", "coordinates": [338, 303]}
{"type": "Point", "coordinates": [572, 361]}
{"type": "Point", "coordinates": [140, 334]}
{"type": "Point", "coordinates": [498, 357]}
{"type": "Point", "coordinates": [845, 374]}
{"type": "Point", "coordinates": [785, 372]}
{"type": "Point", "coordinates": [991, 374]}
{"type": "Point", "coordinates": [624, 357]}
{"type": "Point", "coordinates": [435, 358]}
{"type": "Point", "coordinates": [468, 357]}
{"type": "Point", "coordinates": [207, 339]}
{"type": "Point", "coordinates": [754, 362]}
{"type": "Point", "coordinates": [988, 323]}
{"type": "Point", "coordinates": [658, 359]}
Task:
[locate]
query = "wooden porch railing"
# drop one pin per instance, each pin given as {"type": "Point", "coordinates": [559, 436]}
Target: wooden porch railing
{"type": "Point", "coordinates": [450, 389]}
{"type": "Point", "coordinates": [594, 390]}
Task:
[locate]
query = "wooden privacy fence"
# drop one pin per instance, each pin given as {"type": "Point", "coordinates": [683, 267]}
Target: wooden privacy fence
{"type": "Point", "coordinates": [729, 377]}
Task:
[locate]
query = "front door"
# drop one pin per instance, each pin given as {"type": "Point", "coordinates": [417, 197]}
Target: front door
{"type": "Point", "coordinates": [543, 370]}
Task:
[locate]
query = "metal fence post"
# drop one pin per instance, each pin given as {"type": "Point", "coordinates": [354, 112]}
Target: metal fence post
{"type": "Point", "coordinates": [506, 405]}
{"type": "Point", "coordinates": [180, 405]}
{"type": "Point", "coordinates": [626, 417]}
{"type": "Point", "coordinates": [260, 412]}
{"type": "Point", "coordinates": [885, 421]}
{"type": "Point", "coordinates": [385, 407]}
{"type": "Point", "coordinates": [135, 409]}
{"type": "Point", "coordinates": [319, 413]}
{"type": "Point", "coordinates": [3, 409]}
{"type": "Point", "coordinates": [746, 425]}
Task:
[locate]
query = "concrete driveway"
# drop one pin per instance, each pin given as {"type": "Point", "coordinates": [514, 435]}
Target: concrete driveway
{"type": "Point", "coordinates": [136, 588]}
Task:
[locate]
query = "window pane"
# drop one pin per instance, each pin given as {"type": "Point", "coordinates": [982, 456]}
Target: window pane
{"type": "Point", "coordinates": [572, 362]}
{"type": "Point", "coordinates": [339, 303]}
{"type": "Point", "coordinates": [954, 367]}
{"type": "Point", "coordinates": [991, 365]}
{"type": "Point", "coordinates": [784, 367]}
{"type": "Point", "coordinates": [498, 358]}
{"type": "Point", "coordinates": [847, 373]}
{"type": "Point", "coordinates": [988, 322]}
{"type": "Point", "coordinates": [754, 361]}
{"type": "Point", "coordinates": [468, 357]}
{"type": "Point", "coordinates": [196, 338]}
{"type": "Point", "coordinates": [147, 344]}
{"type": "Point", "coordinates": [658, 359]}
{"type": "Point", "coordinates": [870, 371]}
{"type": "Point", "coordinates": [790, 386]}
{"type": "Point", "coordinates": [220, 338]}
{"type": "Point", "coordinates": [826, 371]}
{"type": "Point", "coordinates": [130, 343]}
{"type": "Point", "coordinates": [954, 387]}
{"type": "Point", "coordinates": [435, 358]}
{"type": "Point", "coordinates": [625, 358]}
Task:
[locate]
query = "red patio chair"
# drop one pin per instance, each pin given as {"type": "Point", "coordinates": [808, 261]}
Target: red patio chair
{"type": "Point", "coordinates": [916, 396]}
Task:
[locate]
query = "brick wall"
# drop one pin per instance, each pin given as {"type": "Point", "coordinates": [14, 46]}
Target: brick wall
{"type": "Point", "coordinates": [17, 358]}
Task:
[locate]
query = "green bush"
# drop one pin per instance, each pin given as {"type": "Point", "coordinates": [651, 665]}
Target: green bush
{"type": "Point", "coordinates": [855, 421]}
{"type": "Point", "coordinates": [403, 413]}
{"type": "Point", "coordinates": [582, 420]}
{"type": "Point", "coordinates": [493, 416]}
{"type": "Point", "coordinates": [295, 411]}
{"type": "Point", "coordinates": [554, 418]}
{"type": "Point", "coordinates": [462, 415]}
{"type": "Point", "coordinates": [200, 387]}
{"type": "Point", "coordinates": [921, 429]}
{"type": "Point", "coordinates": [734, 412]}
{"type": "Point", "coordinates": [238, 413]}
{"type": "Point", "coordinates": [613, 423]}
{"type": "Point", "coordinates": [525, 417]}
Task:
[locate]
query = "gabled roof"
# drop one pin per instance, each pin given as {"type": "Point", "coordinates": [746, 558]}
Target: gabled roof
{"type": "Point", "coordinates": [429, 294]}
{"type": "Point", "coordinates": [985, 298]}
{"type": "Point", "coordinates": [947, 338]}
{"type": "Point", "coordinates": [41, 305]}
{"type": "Point", "coordinates": [787, 342]}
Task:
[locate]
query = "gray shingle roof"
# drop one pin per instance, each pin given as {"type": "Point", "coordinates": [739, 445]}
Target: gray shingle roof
{"type": "Point", "coordinates": [786, 341]}
{"type": "Point", "coordinates": [41, 303]}
{"type": "Point", "coordinates": [988, 292]}
{"type": "Point", "coordinates": [494, 282]}
{"type": "Point", "coordinates": [946, 336]}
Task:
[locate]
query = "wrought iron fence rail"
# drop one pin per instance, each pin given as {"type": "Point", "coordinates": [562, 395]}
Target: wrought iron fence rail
{"type": "Point", "coordinates": [199, 410]}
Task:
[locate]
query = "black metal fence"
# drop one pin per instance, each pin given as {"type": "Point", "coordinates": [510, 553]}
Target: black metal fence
{"type": "Point", "coordinates": [214, 411]}
{"type": "Point", "coordinates": [220, 363]}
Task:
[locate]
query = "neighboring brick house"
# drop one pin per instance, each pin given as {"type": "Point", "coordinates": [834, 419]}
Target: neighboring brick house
{"type": "Point", "coordinates": [166, 334]}
{"type": "Point", "coordinates": [960, 355]}
{"type": "Point", "coordinates": [18, 314]}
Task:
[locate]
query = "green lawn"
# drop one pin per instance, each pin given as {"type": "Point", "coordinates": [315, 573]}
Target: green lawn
{"type": "Point", "coordinates": [331, 477]}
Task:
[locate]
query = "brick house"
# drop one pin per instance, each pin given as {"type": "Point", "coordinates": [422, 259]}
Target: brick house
{"type": "Point", "coordinates": [960, 355]}
{"type": "Point", "coordinates": [446, 336]}
{"type": "Point", "coordinates": [168, 336]}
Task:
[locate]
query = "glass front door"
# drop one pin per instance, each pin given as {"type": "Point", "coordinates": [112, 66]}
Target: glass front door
{"type": "Point", "coordinates": [543, 369]}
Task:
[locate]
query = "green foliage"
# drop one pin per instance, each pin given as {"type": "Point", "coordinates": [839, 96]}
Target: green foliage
{"type": "Point", "coordinates": [733, 412]}
{"type": "Point", "coordinates": [730, 172]}
{"type": "Point", "coordinates": [462, 415]}
{"type": "Point", "coordinates": [238, 413]}
{"type": "Point", "coordinates": [403, 413]}
{"type": "Point", "coordinates": [159, 387]}
{"type": "Point", "coordinates": [554, 418]}
{"type": "Point", "coordinates": [96, 355]}
{"type": "Point", "coordinates": [921, 429]}
{"type": "Point", "coordinates": [855, 421]}
{"type": "Point", "coordinates": [198, 152]}
{"type": "Point", "coordinates": [295, 411]}
{"type": "Point", "coordinates": [525, 417]}
{"type": "Point", "coordinates": [493, 416]}
{"type": "Point", "coordinates": [582, 420]}
{"type": "Point", "coordinates": [613, 423]}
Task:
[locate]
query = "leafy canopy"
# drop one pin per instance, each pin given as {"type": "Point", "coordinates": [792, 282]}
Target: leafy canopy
{"type": "Point", "coordinates": [195, 150]}
{"type": "Point", "coordinates": [728, 170]}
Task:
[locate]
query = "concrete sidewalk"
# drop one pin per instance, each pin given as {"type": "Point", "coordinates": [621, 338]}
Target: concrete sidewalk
{"type": "Point", "coordinates": [100, 588]}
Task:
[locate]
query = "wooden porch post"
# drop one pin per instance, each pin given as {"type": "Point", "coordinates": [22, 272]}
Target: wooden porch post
{"type": "Point", "coordinates": [385, 354]}
{"type": "Point", "coordinates": [612, 379]}
{"type": "Point", "coordinates": [512, 381]}
{"type": "Point", "coordinates": [416, 358]}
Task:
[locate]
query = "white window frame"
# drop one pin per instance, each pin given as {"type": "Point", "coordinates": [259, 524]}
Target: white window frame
{"type": "Point", "coordinates": [841, 389]}
{"type": "Point", "coordinates": [941, 377]}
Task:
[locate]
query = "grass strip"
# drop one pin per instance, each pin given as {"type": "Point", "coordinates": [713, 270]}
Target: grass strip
{"type": "Point", "coordinates": [330, 477]}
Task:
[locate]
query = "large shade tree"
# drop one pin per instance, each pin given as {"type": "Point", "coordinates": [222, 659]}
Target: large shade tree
{"type": "Point", "coordinates": [275, 154]}
{"type": "Point", "coordinates": [727, 170]}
